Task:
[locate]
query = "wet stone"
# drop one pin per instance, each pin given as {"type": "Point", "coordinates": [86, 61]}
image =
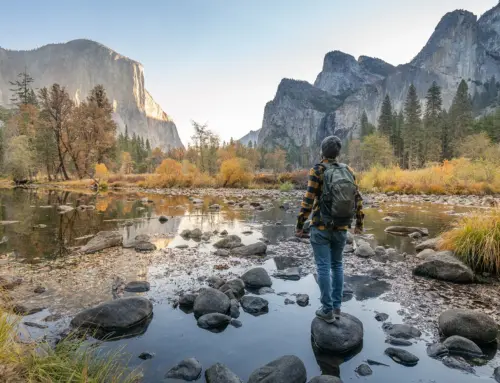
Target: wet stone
{"type": "Point", "coordinates": [213, 321]}
{"type": "Point", "coordinates": [291, 274]}
{"type": "Point", "coordinates": [215, 281]}
{"type": "Point", "coordinates": [235, 286]}
{"type": "Point", "coordinates": [236, 323]}
{"type": "Point", "coordinates": [364, 250]}
{"type": "Point", "coordinates": [364, 370]}
{"type": "Point", "coordinates": [234, 309]}
{"type": "Point", "coordinates": [265, 290]}
{"type": "Point", "coordinates": [398, 341]}
{"type": "Point", "coordinates": [211, 301]}
{"type": "Point", "coordinates": [288, 301]}
{"type": "Point", "coordinates": [137, 286]}
{"type": "Point", "coordinates": [258, 248]}
{"type": "Point", "coordinates": [162, 219]}
{"type": "Point", "coordinates": [401, 331]}
{"type": "Point", "coordinates": [142, 238]}
{"type": "Point", "coordinates": [146, 355]}
{"type": "Point", "coordinates": [287, 369]}
{"type": "Point", "coordinates": [257, 278]}
{"type": "Point", "coordinates": [381, 317]}
{"type": "Point", "coordinates": [302, 299]}
{"type": "Point", "coordinates": [458, 345]}
{"type": "Point", "coordinates": [228, 242]}
{"type": "Point", "coordinates": [219, 373]}
{"type": "Point", "coordinates": [188, 370]}
{"type": "Point", "coordinates": [344, 335]}
{"type": "Point", "coordinates": [222, 253]}
{"type": "Point", "coordinates": [444, 266]}
{"type": "Point", "coordinates": [325, 379]}
{"type": "Point", "coordinates": [401, 356]}
{"type": "Point", "coordinates": [496, 374]}
{"type": "Point", "coordinates": [458, 363]}
{"type": "Point", "coordinates": [254, 305]}
{"type": "Point", "coordinates": [144, 247]}
{"type": "Point", "coordinates": [39, 290]}
{"type": "Point", "coordinates": [103, 240]}
{"type": "Point", "coordinates": [187, 300]}
{"type": "Point", "coordinates": [437, 350]}
{"type": "Point", "coordinates": [473, 325]}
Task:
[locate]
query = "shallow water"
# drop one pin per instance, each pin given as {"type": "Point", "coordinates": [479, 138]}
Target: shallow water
{"type": "Point", "coordinates": [173, 335]}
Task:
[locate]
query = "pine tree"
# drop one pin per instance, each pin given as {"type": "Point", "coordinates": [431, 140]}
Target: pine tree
{"type": "Point", "coordinates": [395, 138]}
{"type": "Point", "coordinates": [412, 129]}
{"type": "Point", "coordinates": [446, 152]}
{"type": "Point", "coordinates": [366, 127]}
{"type": "Point", "coordinates": [461, 120]}
{"type": "Point", "coordinates": [385, 118]}
{"type": "Point", "coordinates": [23, 93]}
{"type": "Point", "coordinates": [250, 144]}
{"type": "Point", "coordinates": [431, 142]}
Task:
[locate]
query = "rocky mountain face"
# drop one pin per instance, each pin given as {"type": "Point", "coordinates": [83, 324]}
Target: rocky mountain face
{"type": "Point", "coordinates": [461, 47]}
{"type": "Point", "coordinates": [79, 65]}
{"type": "Point", "coordinates": [252, 136]}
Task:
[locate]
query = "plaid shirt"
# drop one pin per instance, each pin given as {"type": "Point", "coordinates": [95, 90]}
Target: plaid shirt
{"type": "Point", "coordinates": [310, 201]}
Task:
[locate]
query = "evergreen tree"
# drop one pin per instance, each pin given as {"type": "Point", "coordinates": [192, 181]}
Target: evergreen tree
{"type": "Point", "coordinates": [396, 138]}
{"type": "Point", "coordinates": [250, 144]}
{"type": "Point", "coordinates": [23, 93]}
{"type": "Point", "coordinates": [366, 127]}
{"type": "Point", "coordinates": [431, 142]}
{"type": "Point", "coordinates": [412, 129]}
{"type": "Point", "coordinates": [386, 118]}
{"type": "Point", "coordinates": [446, 152]}
{"type": "Point", "coordinates": [461, 120]}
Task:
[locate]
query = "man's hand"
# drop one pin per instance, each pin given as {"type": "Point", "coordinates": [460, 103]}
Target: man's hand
{"type": "Point", "coordinates": [358, 230]}
{"type": "Point", "coordinates": [299, 233]}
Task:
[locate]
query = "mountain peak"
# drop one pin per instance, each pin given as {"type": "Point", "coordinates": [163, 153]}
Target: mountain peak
{"type": "Point", "coordinates": [337, 60]}
{"type": "Point", "coordinates": [376, 65]}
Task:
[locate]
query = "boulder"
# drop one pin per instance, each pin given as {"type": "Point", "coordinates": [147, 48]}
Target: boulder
{"type": "Point", "coordinates": [302, 300]}
{"type": "Point", "coordinates": [325, 379]}
{"type": "Point", "coordinates": [254, 305]}
{"type": "Point", "coordinates": [444, 266]}
{"type": "Point", "coordinates": [402, 331]}
{"type": "Point", "coordinates": [458, 345]}
{"type": "Point", "coordinates": [162, 219]}
{"type": "Point", "coordinates": [144, 247]}
{"type": "Point", "coordinates": [213, 321]}
{"type": "Point", "coordinates": [287, 369]}
{"type": "Point", "coordinates": [473, 325]}
{"type": "Point", "coordinates": [116, 315]}
{"type": "Point", "coordinates": [291, 274]}
{"type": "Point", "coordinates": [258, 248]}
{"type": "Point", "coordinates": [398, 341]}
{"type": "Point", "coordinates": [458, 363]}
{"type": "Point", "coordinates": [431, 244]}
{"type": "Point", "coordinates": [381, 317]}
{"type": "Point", "coordinates": [187, 300]}
{"type": "Point", "coordinates": [211, 301]}
{"type": "Point", "coordinates": [380, 251]}
{"type": "Point", "coordinates": [218, 373]}
{"type": "Point", "coordinates": [188, 370]}
{"type": "Point", "coordinates": [364, 250]}
{"type": "Point", "coordinates": [186, 233]}
{"type": "Point", "coordinates": [234, 309]}
{"type": "Point", "coordinates": [344, 335]}
{"type": "Point", "coordinates": [496, 374]}
{"type": "Point", "coordinates": [424, 254]}
{"type": "Point", "coordinates": [142, 238]}
{"type": "Point", "coordinates": [236, 286]}
{"type": "Point", "coordinates": [137, 286]}
{"type": "Point", "coordinates": [257, 278]}
{"type": "Point", "coordinates": [265, 290]}
{"type": "Point", "coordinates": [437, 350]}
{"type": "Point", "coordinates": [405, 230]}
{"type": "Point", "coordinates": [364, 370]}
{"type": "Point", "coordinates": [215, 281]}
{"type": "Point", "coordinates": [402, 356]}
{"type": "Point", "coordinates": [103, 240]}
{"type": "Point", "coordinates": [195, 234]}
{"type": "Point", "coordinates": [222, 253]}
{"type": "Point", "coordinates": [228, 242]}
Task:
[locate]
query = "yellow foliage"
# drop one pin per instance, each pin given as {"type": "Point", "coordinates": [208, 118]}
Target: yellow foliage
{"type": "Point", "coordinates": [101, 171]}
{"type": "Point", "coordinates": [235, 173]}
{"type": "Point", "coordinates": [172, 173]}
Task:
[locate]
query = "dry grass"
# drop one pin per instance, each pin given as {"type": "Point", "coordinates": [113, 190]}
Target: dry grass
{"type": "Point", "coordinates": [475, 239]}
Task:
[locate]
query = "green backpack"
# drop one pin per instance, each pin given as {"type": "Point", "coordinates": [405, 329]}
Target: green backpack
{"type": "Point", "coordinates": [337, 204]}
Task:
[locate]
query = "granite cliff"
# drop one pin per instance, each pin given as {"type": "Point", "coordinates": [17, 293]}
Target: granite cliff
{"type": "Point", "coordinates": [251, 136]}
{"type": "Point", "coordinates": [79, 65]}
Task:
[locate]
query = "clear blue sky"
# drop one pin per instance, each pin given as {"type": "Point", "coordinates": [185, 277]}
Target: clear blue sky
{"type": "Point", "coordinates": [220, 61]}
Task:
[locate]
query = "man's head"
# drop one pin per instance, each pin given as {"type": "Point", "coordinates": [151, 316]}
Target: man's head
{"type": "Point", "coordinates": [330, 147]}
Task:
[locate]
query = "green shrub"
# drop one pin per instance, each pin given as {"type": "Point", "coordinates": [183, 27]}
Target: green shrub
{"type": "Point", "coordinates": [286, 186]}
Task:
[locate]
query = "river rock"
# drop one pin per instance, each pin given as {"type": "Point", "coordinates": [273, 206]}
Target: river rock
{"type": "Point", "coordinates": [258, 248]}
{"type": "Point", "coordinates": [236, 286]}
{"type": "Point", "coordinates": [348, 249]}
{"type": "Point", "coordinates": [344, 335]}
{"type": "Point", "coordinates": [103, 240]}
{"type": "Point", "coordinates": [162, 219]}
{"type": "Point", "coordinates": [458, 363]}
{"type": "Point", "coordinates": [257, 278]}
{"type": "Point", "coordinates": [381, 317]}
{"type": "Point", "coordinates": [188, 370]}
{"type": "Point", "coordinates": [496, 374]}
{"type": "Point", "coordinates": [287, 369]}
{"type": "Point", "coordinates": [211, 301]}
{"type": "Point", "coordinates": [215, 281]}
{"type": "Point", "coordinates": [119, 314]}
{"type": "Point", "coordinates": [444, 266]}
{"type": "Point", "coordinates": [219, 373]}
{"type": "Point", "coordinates": [25, 310]}
{"type": "Point", "coordinates": [8, 282]}
{"type": "Point", "coordinates": [458, 345]}
{"type": "Point", "coordinates": [144, 247]}
{"type": "Point", "coordinates": [229, 242]}
{"type": "Point", "coordinates": [254, 305]}
{"type": "Point", "coordinates": [196, 234]}
{"type": "Point", "coordinates": [186, 233]}
{"type": "Point", "coordinates": [146, 355]}
{"type": "Point", "coordinates": [187, 300]}
{"type": "Point", "coordinates": [265, 290]}
{"type": "Point", "coordinates": [291, 274]}
{"type": "Point", "coordinates": [234, 309]}
{"type": "Point", "coordinates": [213, 321]}
{"type": "Point", "coordinates": [325, 379]}
{"type": "Point", "coordinates": [236, 323]}
{"type": "Point", "coordinates": [350, 238]}
{"type": "Point", "coordinates": [137, 286]}
{"type": "Point", "coordinates": [380, 251]}
{"type": "Point", "coordinates": [364, 370]}
{"type": "Point", "coordinates": [473, 325]}
{"type": "Point", "coordinates": [364, 250]}
{"type": "Point", "coordinates": [403, 331]}
{"type": "Point", "coordinates": [398, 341]}
{"type": "Point", "coordinates": [402, 356]}
{"type": "Point", "coordinates": [424, 254]}
{"type": "Point", "coordinates": [142, 238]}
{"type": "Point", "coordinates": [437, 350]}
{"type": "Point", "coordinates": [222, 253]}
{"type": "Point", "coordinates": [405, 230]}
{"type": "Point", "coordinates": [302, 300]}
{"type": "Point", "coordinates": [431, 244]}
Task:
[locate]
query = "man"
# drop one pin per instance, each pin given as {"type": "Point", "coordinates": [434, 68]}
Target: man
{"type": "Point", "coordinates": [333, 197]}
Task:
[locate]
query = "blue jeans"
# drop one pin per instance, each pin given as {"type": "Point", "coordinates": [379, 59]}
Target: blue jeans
{"type": "Point", "coordinates": [328, 246]}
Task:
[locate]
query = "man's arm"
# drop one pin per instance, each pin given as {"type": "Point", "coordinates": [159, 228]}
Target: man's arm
{"type": "Point", "coordinates": [309, 196]}
{"type": "Point", "coordinates": [358, 200]}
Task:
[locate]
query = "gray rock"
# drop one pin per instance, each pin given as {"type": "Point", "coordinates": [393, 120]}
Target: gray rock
{"type": "Point", "coordinates": [36, 325]}
{"type": "Point", "coordinates": [496, 374]}
{"type": "Point", "coordinates": [222, 253]}
{"type": "Point", "coordinates": [405, 230]}
{"type": "Point", "coordinates": [302, 299]}
{"type": "Point", "coordinates": [458, 363]}
{"type": "Point", "coordinates": [146, 355]}
{"type": "Point", "coordinates": [444, 266]}
{"type": "Point", "coordinates": [103, 240]}
{"type": "Point", "coordinates": [344, 335]}
{"type": "Point", "coordinates": [350, 238]}
{"type": "Point", "coordinates": [144, 247]}
{"type": "Point", "coordinates": [473, 325]}
{"type": "Point", "coordinates": [213, 321]}
{"type": "Point", "coordinates": [287, 369]}
{"type": "Point", "coordinates": [26, 310]}
{"type": "Point", "coordinates": [348, 249]}
{"type": "Point", "coordinates": [137, 286]}
{"type": "Point", "coordinates": [39, 290]}
{"type": "Point", "coordinates": [234, 309]}
{"type": "Point", "coordinates": [196, 234]}
{"type": "Point", "coordinates": [325, 379]}
{"type": "Point", "coordinates": [364, 370]}
{"type": "Point", "coordinates": [219, 373]}
{"type": "Point", "coordinates": [142, 238]}
{"type": "Point", "coordinates": [187, 300]}
{"type": "Point", "coordinates": [402, 356]}
{"type": "Point", "coordinates": [431, 244]}
{"type": "Point", "coordinates": [188, 370]}
{"type": "Point", "coordinates": [215, 281]}
{"type": "Point", "coordinates": [182, 246]}
{"type": "Point", "coordinates": [236, 286]}
{"type": "Point", "coordinates": [236, 323]}
{"type": "Point", "coordinates": [258, 248]}
{"type": "Point", "coordinates": [292, 274]}
{"type": "Point", "coordinates": [402, 331]}
{"type": "Point", "coordinates": [229, 242]}
{"type": "Point", "coordinates": [162, 219]}
{"type": "Point", "coordinates": [186, 233]}
{"type": "Point", "coordinates": [380, 250]}
{"type": "Point", "coordinates": [364, 250]}
{"type": "Point", "coordinates": [265, 290]}
{"type": "Point", "coordinates": [458, 345]}
{"type": "Point", "coordinates": [381, 317]}
{"type": "Point", "coordinates": [224, 232]}
{"type": "Point", "coordinates": [115, 315]}
{"type": "Point", "coordinates": [437, 350]}
{"type": "Point", "coordinates": [424, 254]}
{"type": "Point", "coordinates": [211, 301]}
{"type": "Point", "coordinates": [257, 278]}
{"type": "Point", "coordinates": [398, 341]}
{"type": "Point", "coordinates": [415, 235]}
{"type": "Point", "coordinates": [254, 305]}
{"type": "Point", "coordinates": [288, 301]}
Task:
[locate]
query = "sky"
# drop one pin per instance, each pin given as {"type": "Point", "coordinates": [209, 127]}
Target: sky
{"type": "Point", "coordinates": [219, 61]}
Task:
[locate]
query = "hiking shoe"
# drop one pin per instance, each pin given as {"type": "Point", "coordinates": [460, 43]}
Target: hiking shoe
{"type": "Point", "coordinates": [336, 313]}
{"type": "Point", "coordinates": [327, 317]}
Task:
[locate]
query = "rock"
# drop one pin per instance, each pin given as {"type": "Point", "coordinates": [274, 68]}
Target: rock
{"type": "Point", "coordinates": [183, 246]}
{"type": "Point", "coordinates": [39, 290]}
{"type": "Point", "coordinates": [146, 355]}
{"type": "Point", "coordinates": [458, 345]}
{"type": "Point", "coordinates": [437, 350]}
{"type": "Point", "coordinates": [117, 315]}
{"type": "Point", "coordinates": [265, 290]}
{"type": "Point", "coordinates": [444, 266]}
{"type": "Point", "coordinates": [372, 362]}
{"type": "Point", "coordinates": [236, 286]}
{"type": "Point", "coordinates": [36, 325]}
{"type": "Point", "coordinates": [424, 254]}
{"type": "Point", "coordinates": [254, 305]}
{"type": "Point", "coordinates": [381, 317]}
{"type": "Point", "coordinates": [247, 232]}
{"type": "Point", "coordinates": [103, 240]}
{"type": "Point", "coordinates": [496, 374]}
{"type": "Point", "coordinates": [364, 250]}
{"type": "Point", "coordinates": [215, 206]}
{"type": "Point", "coordinates": [291, 274]}
{"type": "Point", "coordinates": [52, 318]}
{"type": "Point", "coordinates": [222, 253]}
{"type": "Point", "coordinates": [197, 201]}
{"type": "Point", "coordinates": [402, 356]}
{"type": "Point", "coordinates": [229, 242]}
{"type": "Point", "coordinates": [213, 321]}
{"type": "Point", "coordinates": [405, 230]}
{"type": "Point", "coordinates": [234, 309]}
{"type": "Point", "coordinates": [211, 301]}
{"type": "Point", "coordinates": [287, 369]}
{"type": "Point", "coordinates": [236, 323]}
{"type": "Point", "coordinates": [431, 243]}
{"type": "Point", "coordinates": [144, 247]}
{"type": "Point", "coordinates": [215, 281]}
{"type": "Point", "coordinates": [348, 249]}
{"type": "Point", "coordinates": [343, 336]}
{"type": "Point", "coordinates": [62, 209]}
{"type": "Point", "coordinates": [195, 234]}
{"type": "Point", "coordinates": [142, 238]}
{"type": "Point", "coordinates": [137, 286]}
{"type": "Point", "coordinates": [325, 379]}
{"type": "Point", "coordinates": [162, 219]}
{"type": "Point", "coordinates": [380, 251]}
{"type": "Point", "coordinates": [8, 282]}
{"type": "Point", "coordinates": [219, 373]}
{"type": "Point", "coordinates": [258, 248]}
{"type": "Point", "coordinates": [188, 369]}
{"type": "Point", "coordinates": [403, 331]}
{"type": "Point", "coordinates": [25, 311]}
{"type": "Point", "coordinates": [363, 370]}
{"type": "Point", "coordinates": [415, 235]}
{"type": "Point", "coordinates": [458, 363]}
{"type": "Point", "coordinates": [288, 301]}
{"type": "Point", "coordinates": [224, 232]}
{"type": "Point", "coordinates": [185, 233]}
{"type": "Point", "coordinates": [187, 300]}
{"type": "Point", "coordinates": [255, 204]}
{"type": "Point", "coordinates": [350, 238]}
{"type": "Point", "coordinates": [398, 341]}
{"type": "Point", "coordinates": [302, 300]}
{"type": "Point", "coordinates": [257, 278]}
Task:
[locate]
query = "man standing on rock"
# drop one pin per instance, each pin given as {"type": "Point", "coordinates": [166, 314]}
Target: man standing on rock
{"type": "Point", "coordinates": [334, 199]}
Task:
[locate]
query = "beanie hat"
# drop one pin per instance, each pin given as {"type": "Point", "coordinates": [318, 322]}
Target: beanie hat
{"type": "Point", "coordinates": [330, 147]}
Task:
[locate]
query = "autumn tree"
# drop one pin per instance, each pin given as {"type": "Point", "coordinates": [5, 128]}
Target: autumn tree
{"type": "Point", "coordinates": [276, 160]}
{"type": "Point", "coordinates": [19, 159]}
{"type": "Point", "coordinates": [376, 149]}
{"type": "Point", "coordinates": [127, 165]}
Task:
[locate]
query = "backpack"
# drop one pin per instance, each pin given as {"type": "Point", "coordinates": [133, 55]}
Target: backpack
{"type": "Point", "coordinates": [337, 204]}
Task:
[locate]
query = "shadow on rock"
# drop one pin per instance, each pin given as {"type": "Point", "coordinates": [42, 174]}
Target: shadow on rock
{"type": "Point", "coordinates": [329, 363]}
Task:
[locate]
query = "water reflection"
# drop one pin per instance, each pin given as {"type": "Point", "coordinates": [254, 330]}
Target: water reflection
{"type": "Point", "coordinates": [329, 364]}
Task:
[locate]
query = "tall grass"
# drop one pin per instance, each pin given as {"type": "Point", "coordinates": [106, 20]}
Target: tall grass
{"type": "Point", "coordinates": [475, 239]}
